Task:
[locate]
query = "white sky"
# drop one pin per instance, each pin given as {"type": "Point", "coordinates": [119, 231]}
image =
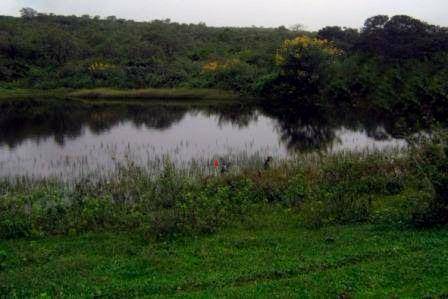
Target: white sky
{"type": "Point", "coordinates": [314, 14]}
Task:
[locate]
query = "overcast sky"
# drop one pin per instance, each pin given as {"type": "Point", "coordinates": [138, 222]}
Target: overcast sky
{"type": "Point", "coordinates": [314, 14]}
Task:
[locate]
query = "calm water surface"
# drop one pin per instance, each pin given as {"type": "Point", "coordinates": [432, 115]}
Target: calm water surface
{"type": "Point", "coordinates": [67, 140]}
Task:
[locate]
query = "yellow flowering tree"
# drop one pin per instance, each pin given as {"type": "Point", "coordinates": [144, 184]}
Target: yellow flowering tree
{"type": "Point", "coordinates": [99, 67]}
{"type": "Point", "coordinates": [304, 63]}
{"type": "Point", "coordinates": [104, 71]}
{"type": "Point", "coordinates": [216, 66]}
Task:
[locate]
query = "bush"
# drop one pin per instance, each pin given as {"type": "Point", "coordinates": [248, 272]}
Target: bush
{"type": "Point", "coordinates": [3, 257]}
{"type": "Point", "coordinates": [14, 221]}
{"type": "Point", "coordinates": [354, 188]}
{"type": "Point", "coordinates": [431, 164]}
{"type": "Point", "coordinates": [203, 209]}
{"type": "Point", "coordinates": [401, 209]}
{"type": "Point", "coordinates": [304, 67]}
{"type": "Point", "coordinates": [232, 74]}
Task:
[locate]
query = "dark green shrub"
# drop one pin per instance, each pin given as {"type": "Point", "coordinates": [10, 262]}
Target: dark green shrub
{"type": "Point", "coordinates": [276, 186]}
{"type": "Point", "coordinates": [204, 208]}
{"type": "Point", "coordinates": [401, 209]}
{"type": "Point", "coordinates": [326, 207]}
{"type": "Point", "coordinates": [431, 163]}
{"type": "Point", "coordinates": [195, 213]}
{"type": "Point", "coordinates": [3, 257]}
{"type": "Point", "coordinates": [15, 225]}
{"type": "Point", "coordinates": [232, 74]}
{"type": "Point", "coordinates": [14, 221]}
{"type": "Point", "coordinates": [347, 185]}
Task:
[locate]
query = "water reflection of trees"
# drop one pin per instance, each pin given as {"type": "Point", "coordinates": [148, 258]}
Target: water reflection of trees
{"type": "Point", "coordinates": [304, 130]}
{"type": "Point", "coordinates": [30, 119]}
{"type": "Point", "coordinates": [36, 120]}
{"type": "Point", "coordinates": [240, 115]}
{"type": "Point", "coordinates": [300, 130]}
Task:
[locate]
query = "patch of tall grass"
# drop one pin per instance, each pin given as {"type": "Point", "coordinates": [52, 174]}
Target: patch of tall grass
{"type": "Point", "coordinates": [154, 93]}
{"type": "Point", "coordinates": [406, 187]}
{"type": "Point", "coordinates": [21, 93]}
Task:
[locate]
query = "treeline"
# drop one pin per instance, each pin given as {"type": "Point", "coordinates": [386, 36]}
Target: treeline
{"type": "Point", "coordinates": [49, 51]}
{"type": "Point", "coordinates": [397, 38]}
{"type": "Point", "coordinates": [397, 64]}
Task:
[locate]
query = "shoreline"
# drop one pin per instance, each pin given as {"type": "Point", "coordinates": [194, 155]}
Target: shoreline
{"type": "Point", "coordinates": [115, 94]}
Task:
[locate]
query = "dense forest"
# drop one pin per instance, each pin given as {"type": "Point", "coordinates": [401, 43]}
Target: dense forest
{"type": "Point", "coordinates": [392, 63]}
{"type": "Point", "coordinates": [48, 51]}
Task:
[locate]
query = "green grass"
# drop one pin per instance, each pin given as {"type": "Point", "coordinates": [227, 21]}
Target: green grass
{"type": "Point", "coordinates": [153, 93]}
{"type": "Point", "coordinates": [109, 93]}
{"type": "Point", "coordinates": [273, 256]}
{"type": "Point", "coordinates": [7, 94]}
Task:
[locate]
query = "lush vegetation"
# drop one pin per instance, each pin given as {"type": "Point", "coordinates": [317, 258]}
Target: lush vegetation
{"type": "Point", "coordinates": [406, 189]}
{"type": "Point", "coordinates": [395, 64]}
{"type": "Point", "coordinates": [256, 233]}
{"type": "Point", "coordinates": [275, 257]}
{"type": "Point", "coordinates": [48, 51]}
{"type": "Point", "coordinates": [276, 231]}
{"type": "Point", "coordinates": [286, 228]}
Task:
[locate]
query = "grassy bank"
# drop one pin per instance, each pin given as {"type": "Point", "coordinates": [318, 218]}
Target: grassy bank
{"type": "Point", "coordinates": [273, 257]}
{"type": "Point", "coordinates": [153, 93]}
{"type": "Point", "coordinates": [117, 94]}
{"type": "Point", "coordinates": [407, 188]}
{"type": "Point", "coordinates": [371, 224]}
{"type": "Point", "coordinates": [8, 94]}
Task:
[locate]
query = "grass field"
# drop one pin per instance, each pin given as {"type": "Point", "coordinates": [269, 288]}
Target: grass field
{"type": "Point", "coordinates": [272, 256]}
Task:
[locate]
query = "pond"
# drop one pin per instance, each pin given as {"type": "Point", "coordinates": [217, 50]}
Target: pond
{"type": "Point", "coordinates": [72, 139]}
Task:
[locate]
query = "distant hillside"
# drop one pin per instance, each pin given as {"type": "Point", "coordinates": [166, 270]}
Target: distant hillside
{"type": "Point", "coordinates": [51, 51]}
